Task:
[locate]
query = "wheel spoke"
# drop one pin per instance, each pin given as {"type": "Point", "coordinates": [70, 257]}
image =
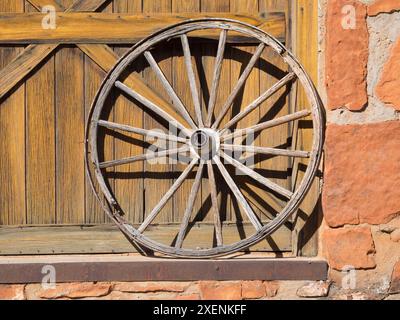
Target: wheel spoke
{"type": "Point", "coordinates": [214, 203]}
{"type": "Point", "coordinates": [140, 131]}
{"type": "Point", "coordinates": [267, 94]}
{"type": "Point", "coordinates": [217, 76]}
{"type": "Point", "coordinates": [147, 103]}
{"type": "Point", "coordinates": [167, 196]}
{"type": "Point", "coordinates": [239, 85]}
{"type": "Point", "coordinates": [189, 208]}
{"type": "Point", "coordinates": [256, 176]}
{"type": "Point", "coordinates": [144, 157]}
{"type": "Point", "coordinates": [239, 196]}
{"type": "Point", "coordinates": [267, 124]}
{"type": "Point", "coordinates": [192, 79]}
{"type": "Point", "coordinates": [262, 150]}
{"type": "Point", "coordinates": [171, 92]}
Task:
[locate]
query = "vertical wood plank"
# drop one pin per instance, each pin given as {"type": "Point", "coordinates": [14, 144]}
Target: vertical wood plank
{"type": "Point", "coordinates": [241, 56]}
{"type": "Point", "coordinates": [70, 117]}
{"type": "Point", "coordinates": [209, 53]}
{"type": "Point", "coordinates": [129, 178]}
{"type": "Point", "coordinates": [305, 21]}
{"type": "Point", "coordinates": [158, 177]}
{"type": "Point", "coordinates": [273, 68]}
{"type": "Point", "coordinates": [40, 143]}
{"type": "Point", "coordinates": [94, 76]}
{"type": "Point", "coordinates": [180, 84]}
{"type": "Point", "coordinates": [12, 139]}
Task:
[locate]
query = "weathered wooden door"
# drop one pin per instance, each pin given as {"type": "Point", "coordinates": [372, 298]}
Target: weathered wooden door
{"type": "Point", "coordinates": [47, 85]}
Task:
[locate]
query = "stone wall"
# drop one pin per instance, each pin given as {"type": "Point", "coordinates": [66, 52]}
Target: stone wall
{"type": "Point", "coordinates": [360, 51]}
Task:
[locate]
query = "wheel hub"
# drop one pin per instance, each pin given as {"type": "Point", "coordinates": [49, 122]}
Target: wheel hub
{"type": "Point", "coordinates": [205, 143]}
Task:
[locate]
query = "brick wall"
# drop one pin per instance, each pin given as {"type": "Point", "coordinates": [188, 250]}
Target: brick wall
{"type": "Point", "coordinates": [361, 194]}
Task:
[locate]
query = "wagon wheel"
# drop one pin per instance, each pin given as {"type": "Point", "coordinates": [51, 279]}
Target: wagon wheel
{"type": "Point", "coordinates": [202, 138]}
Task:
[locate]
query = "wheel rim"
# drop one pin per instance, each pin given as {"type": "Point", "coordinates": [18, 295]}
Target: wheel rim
{"type": "Point", "coordinates": [198, 130]}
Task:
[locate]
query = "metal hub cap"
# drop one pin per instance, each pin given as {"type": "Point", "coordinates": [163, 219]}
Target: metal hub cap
{"type": "Point", "coordinates": [205, 143]}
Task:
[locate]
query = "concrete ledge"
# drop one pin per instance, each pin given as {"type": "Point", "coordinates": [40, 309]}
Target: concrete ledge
{"type": "Point", "coordinates": [127, 268]}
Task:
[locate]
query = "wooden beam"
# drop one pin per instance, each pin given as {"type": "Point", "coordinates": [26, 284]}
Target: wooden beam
{"type": "Point", "coordinates": [26, 28]}
{"type": "Point", "coordinates": [34, 240]}
{"type": "Point", "coordinates": [23, 64]}
{"type": "Point", "coordinates": [33, 55]}
{"type": "Point", "coordinates": [134, 268]}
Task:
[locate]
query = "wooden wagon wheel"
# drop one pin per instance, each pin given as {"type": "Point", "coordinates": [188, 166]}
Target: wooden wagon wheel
{"type": "Point", "coordinates": [205, 140]}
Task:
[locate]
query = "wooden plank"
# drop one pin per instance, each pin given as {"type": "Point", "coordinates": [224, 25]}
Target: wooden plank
{"type": "Point", "coordinates": [94, 76]}
{"type": "Point", "coordinates": [122, 28]}
{"type": "Point", "coordinates": [241, 57]}
{"type": "Point", "coordinates": [133, 268]}
{"type": "Point", "coordinates": [128, 180]}
{"type": "Point", "coordinates": [28, 59]}
{"type": "Point", "coordinates": [308, 218]}
{"type": "Point", "coordinates": [209, 52]}
{"type": "Point", "coordinates": [12, 140]}
{"type": "Point", "coordinates": [180, 84]}
{"type": "Point", "coordinates": [40, 144]}
{"type": "Point", "coordinates": [158, 178]}
{"type": "Point", "coordinates": [70, 122]}
{"type": "Point", "coordinates": [107, 238]}
{"type": "Point", "coordinates": [40, 4]}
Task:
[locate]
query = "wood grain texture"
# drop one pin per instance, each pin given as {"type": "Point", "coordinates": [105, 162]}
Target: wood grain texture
{"type": "Point", "coordinates": [26, 60]}
{"type": "Point", "coordinates": [128, 189]}
{"type": "Point", "coordinates": [305, 45]}
{"type": "Point", "coordinates": [209, 52]}
{"type": "Point", "coordinates": [241, 57]}
{"type": "Point", "coordinates": [40, 143]}
{"type": "Point", "coordinates": [102, 58]}
{"type": "Point", "coordinates": [158, 179]}
{"type": "Point", "coordinates": [70, 107]}
{"type": "Point", "coordinates": [180, 83]}
{"type": "Point", "coordinates": [12, 139]}
{"type": "Point", "coordinates": [119, 28]}
{"type": "Point", "coordinates": [108, 239]}
{"type": "Point", "coordinates": [29, 58]}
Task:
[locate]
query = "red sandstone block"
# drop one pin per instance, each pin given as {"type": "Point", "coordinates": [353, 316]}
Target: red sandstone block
{"type": "Point", "coordinates": [346, 54]}
{"type": "Point", "coordinates": [383, 6]}
{"type": "Point", "coordinates": [73, 290]}
{"type": "Point", "coordinates": [253, 289]}
{"type": "Point", "coordinates": [388, 87]}
{"type": "Point", "coordinates": [213, 290]}
{"type": "Point", "coordinates": [362, 173]}
{"type": "Point", "coordinates": [12, 292]}
{"type": "Point", "coordinates": [349, 247]}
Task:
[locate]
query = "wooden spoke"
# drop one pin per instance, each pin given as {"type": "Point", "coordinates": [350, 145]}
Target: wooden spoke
{"type": "Point", "coordinates": [239, 85]}
{"type": "Point", "coordinates": [238, 195]}
{"type": "Point", "coordinates": [153, 214]}
{"type": "Point", "coordinates": [140, 131]}
{"type": "Point", "coordinates": [144, 157]}
{"type": "Point", "coordinates": [267, 124]}
{"type": "Point", "coordinates": [214, 203]}
{"type": "Point", "coordinates": [256, 176]}
{"type": "Point", "coordinates": [217, 76]}
{"type": "Point", "coordinates": [152, 106]}
{"type": "Point", "coordinates": [267, 94]}
{"type": "Point", "coordinates": [171, 92]}
{"type": "Point", "coordinates": [263, 150]}
{"type": "Point", "coordinates": [192, 198]}
{"type": "Point", "coordinates": [192, 79]}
